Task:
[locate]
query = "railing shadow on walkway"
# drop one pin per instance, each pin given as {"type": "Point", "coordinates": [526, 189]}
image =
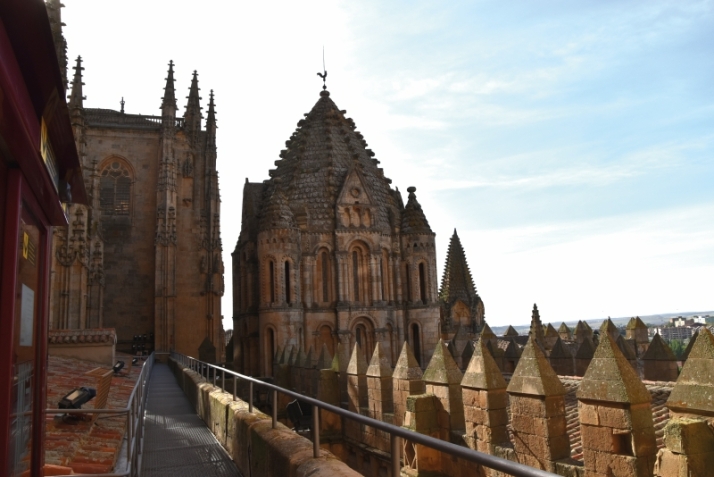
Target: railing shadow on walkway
{"type": "Point", "coordinates": [208, 370]}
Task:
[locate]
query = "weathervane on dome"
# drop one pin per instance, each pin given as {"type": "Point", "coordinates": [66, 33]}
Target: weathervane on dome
{"type": "Point", "coordinates": [324, 74]}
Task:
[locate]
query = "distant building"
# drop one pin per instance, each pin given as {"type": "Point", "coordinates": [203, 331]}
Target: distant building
{"type": "Point", "coordinates": [669, 333]}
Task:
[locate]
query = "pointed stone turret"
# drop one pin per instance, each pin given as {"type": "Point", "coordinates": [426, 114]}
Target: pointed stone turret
{"type": "Point", "coordinates": [694, 391]}
{"type": "Point", "coordinates": [565, 333]}
{"type": "Point", "coordinates": [561, 360]}
{"type": "Point", "coordinates": [357, 379]}
{"type": "Point", "coordinates": [413, 219]}
{"type": "Point", "coordinates": [379, 384]}
{"type": "Point", "coordinates": [688, 349]}
{"type": "Point", "coordinates": [485, 402]}
{"type": "Point", "coordinates": [324, 361]}
{"type": "Point", "coordinates": [660, 363]}
{"type": "Point", "coordinates": [488, 335]}
{"type": "Point", "coordinates": [406, 381]}
{"type": "Point", "coordinates": [537, 396]}
{"type": "Point", "coordinates": [510, 332]}
{"type": "Point", "coordinates": [211, 120]}
{"type": "Point", "coordinates": [76, 98]}
{"type": "Point", "coordinates": [457, 285]}
{"type": "Point", "coordinates": [443, 379]}
{"type": "Point", "coordinates": [468, 353]}
{"type": "Point", "coordinates": [608, 327]}
{"type": "Point", "coordinates": [277, 360]}
{"type": "Point", "coordinates": [615, 416]}
{"type": "Point", "coordinates": [511, 356]}
{"type": "Point", "coordinates": [536, 331]}
{"type": "Point", "coordinates": [192, 115]}
{"type": "Point", "coordinates": [551, 336]}
{"type": "Point", "coordinates": [584, 356]}
{"type": "Point", "coordinates": [168, 102]}
{"type": "Point", "coordinates": [688, 436]}
{"type": "Point", "coordinates": [628, 351]}
{"type": "Point", "coordinates": [582, 331]}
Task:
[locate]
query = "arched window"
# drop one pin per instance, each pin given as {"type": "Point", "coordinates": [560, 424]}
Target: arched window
{"type": "Point", "coordinates": [363, 332]}
{"type": "Point", "coordinates": [115, 190]}
{"type": "Point", "coordinates": [416, 342]}
{"type": "Point", "coordinates": [271, 279]}
{"type": "Point", "coordinates": [322, 290]}
{"type": "Point", "coordinates": [408, 283]}
{"type": "Point", "coordinates": [355, 274]}
{"type": "Point", "coordinates": [269, 350]}
{"type": "Point", "coordinates": [422, 283]}
{"type": "Point", "coordinates": [288, 291]}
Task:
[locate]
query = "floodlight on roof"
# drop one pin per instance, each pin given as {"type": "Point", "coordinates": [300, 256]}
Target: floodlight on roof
{"type": "Point", "coordinates": [76, 397]}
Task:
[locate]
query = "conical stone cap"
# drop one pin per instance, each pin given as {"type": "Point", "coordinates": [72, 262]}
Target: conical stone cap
{"type": "Point", "coordinates": [694, 391]}
{"type": "Point", "coordinates": [559, 350]}
{"type": "Point", "coordinates": [357, 364]}
{"type": "Point", "coordinates": [407, 366]}
{"type": "Point", "coordinates": [625, 348]}
{"type": "Point", "coordinates": [379, 364]}
{"type": "Point", "coordinates": [534, 375]}
{"type": "Point", "coordinates": [457, 282]}
{"type": "Point", "coordinates": [468, 352]}
{"type": "Point", "coordinates": [336, 363]}
{"type": "Point", "coordinates": [611, 378]}
{"type": "Point", "coordinates": [278, 355]}
{"type": "Point", "coordinates": [300, 359]}
{"type": "Point", "coordinates": [688, 349]}
{"type": "Point", "coordinates": [659, 350]}
{"type": "Point", "coordinates": [482, 371]}
{"type": "Point", "coordinates": [511, 331]}
{"type": "Point", "coordinates": [586, 349]}
{"type": "Point", "coordinates": [550, 332]}
{"type": "Point", "coordinates": [442, 368]}
{"type": "Point", "coordinates": [308, 359]}
{"type": "Point", "coordinates": [294, 352]}
{"type": "Point", "coordinates": [287, 352]}
{"type": "Point", "coordinates": [487, 333]}
{"type": "Point", "coordinates": [563, 329]}
{"type": "Point", "coordinates": [324, 361]}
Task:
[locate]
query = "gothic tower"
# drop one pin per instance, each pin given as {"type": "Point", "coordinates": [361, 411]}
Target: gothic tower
{"type": "Point", "coordinates": [328, 254]}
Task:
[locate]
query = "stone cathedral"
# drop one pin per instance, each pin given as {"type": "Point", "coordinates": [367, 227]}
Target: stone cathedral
{"type": "Point", "coordinates": [145, 257]}
{"type": "Point", "coordinates": [329, 254]}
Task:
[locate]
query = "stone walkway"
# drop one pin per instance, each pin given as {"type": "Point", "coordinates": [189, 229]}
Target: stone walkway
{"type": "Point", "coordinates": [177, 442]}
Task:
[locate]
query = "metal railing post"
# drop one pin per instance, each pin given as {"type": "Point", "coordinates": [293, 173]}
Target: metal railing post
{"type": "Point", "coordinates": [223, 383]}
{"type": "Point", "coordinates": [250, 396]}
{"type": "Point", "coordinates": [275, 408]}
{"type": "Point", "coordinates": [315, 431]}
{"type": "Point", "coordinates": [396, 451]}
{"type": "Point", "coordinates": [214, 375]}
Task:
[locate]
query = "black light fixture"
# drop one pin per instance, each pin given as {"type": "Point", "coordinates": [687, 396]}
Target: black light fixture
{"type": "Point", "coordinates": [134, 361]}
{"type": "Point", "coordinates": [76, 397]}
{"type": "Point", "coordinates": [118, 366]}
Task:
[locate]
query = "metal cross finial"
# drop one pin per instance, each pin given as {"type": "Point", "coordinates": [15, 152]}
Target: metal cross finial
{"type": "Point", "coordinates": [324, 74]}
{"type": "Point", "coordinates": [122, 104]}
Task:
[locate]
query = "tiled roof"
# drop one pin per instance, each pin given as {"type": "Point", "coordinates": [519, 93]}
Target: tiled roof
{"type": "Point", "coordinates": [81, 445]}
{"type": "Point", "coordinates": [313, 167]}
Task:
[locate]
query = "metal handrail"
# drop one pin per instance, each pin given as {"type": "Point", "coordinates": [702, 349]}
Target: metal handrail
{"type": "Point", "coordinates": [395, 432]}
{"type": "Point", "coordinates": [134, 410]}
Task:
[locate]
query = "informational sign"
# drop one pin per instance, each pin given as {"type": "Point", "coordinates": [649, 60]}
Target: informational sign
{"type": "Point", "coordinates": [27, 315]}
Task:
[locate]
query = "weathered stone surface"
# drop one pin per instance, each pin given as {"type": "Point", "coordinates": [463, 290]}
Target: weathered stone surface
{"type": "Point", "coordinates": [482, 371]}
{"type": "Point", "coordinates": [534, 375]}
{"type": "Point", "coordinates": [694, 391]}
{"type": "Point", "coordinates": [357, 364]}
{"type": "Point", "coordinates": [379, 364]}
{"type": "Point", "coordinates": [611, 378]}
{"type": "Point", "coordinates": [324, 361]}
{"type": "Point", "coordinates": [407, 365]}
{"type": "Point", "coordinates": [442, 367]}
{"type": "Point", "coordinates": [659, 350]}
{"type": "Point", "coordinates": [511, 331]}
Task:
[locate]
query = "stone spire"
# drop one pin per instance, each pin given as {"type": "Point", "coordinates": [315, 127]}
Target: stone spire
{"type": "Point", "coordinates": [54, 13]}
{"type": "Point", "coordinates": [694, 391]}
{"type": "Point", "coordinates": [324, 361]}
{"type": "Point", "coordinates": [457, 282]}
{"type": "Point", "coordinates": [76, 98]}
{"type": "Point", "coordinates": [659, 362]}
{"type": "Point", "coordinates": [168, 103]}
{"type": "Point", "coordinates": [536, 331]}
{"type": "Point", "coordinates": [413, 219]}
{"type": "Point", "coordinates": [192, 115]}
{"type": "Point", "coordinates": [482, 371]}
{"type": "Point", "coordinates": [211, 117]}
{"type": "Point", "coordinates": [534, 375]}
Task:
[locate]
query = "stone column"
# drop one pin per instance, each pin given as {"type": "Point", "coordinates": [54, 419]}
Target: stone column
{"type": "Point", "coordinates": [406, 381]}
{"type": "Point", "coordinates": [485, 401]}
{"type": "Point", "coordinates": [688, 436]}
{"type": "Point", "coordinates": [443, 379]}
{"type": "Point", "coordinates": [537, 400]}
{"type": "Point", "coordinates": [615, 417]}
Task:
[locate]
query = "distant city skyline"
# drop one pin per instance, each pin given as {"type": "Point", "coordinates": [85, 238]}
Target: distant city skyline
{"type": "Point", "coordinates": [570, 144]}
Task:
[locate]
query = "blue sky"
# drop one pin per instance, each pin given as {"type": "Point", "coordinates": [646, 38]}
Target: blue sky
{"type": "Point", "coordinates": [570, 143]}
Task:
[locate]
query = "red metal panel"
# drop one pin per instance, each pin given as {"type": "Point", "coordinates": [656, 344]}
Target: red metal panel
{"type": "Point", "coordinates": [11, 245]}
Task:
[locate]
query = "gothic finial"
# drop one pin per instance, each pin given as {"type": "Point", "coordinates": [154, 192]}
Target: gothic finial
{"type": "Point", "coordinates": [76, 100]}
{"type": "Point", "coordinates": [211, 111]}
{"type": "Point", "coordinates": [169, 98]}
{"type": "Point", "coordinates": [122, 104]}
{"type": "Point", "coordinates": [192, 114]}
{"type": "Point", "coordinates": [323, 75]}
